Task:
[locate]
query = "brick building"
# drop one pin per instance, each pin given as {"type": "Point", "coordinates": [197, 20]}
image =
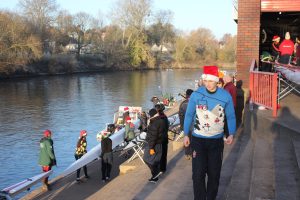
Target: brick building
{"type": "Point", "coordinates": [258, 21]}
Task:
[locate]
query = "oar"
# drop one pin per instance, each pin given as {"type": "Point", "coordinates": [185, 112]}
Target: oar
{"type": "Point", "coordinates": [179, 94]}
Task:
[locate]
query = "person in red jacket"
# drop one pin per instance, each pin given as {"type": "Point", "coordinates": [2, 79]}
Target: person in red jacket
{"type": "Point", "coordinates": [230, 87]}
{"type": "Point", "coordinates": [297, 51]}
{"type": "Point", "coordinates": [286, 49]}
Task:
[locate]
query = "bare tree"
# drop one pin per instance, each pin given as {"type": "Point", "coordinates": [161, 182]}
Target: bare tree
{"type": "Point", "coordinates": [81, 24]}
{"type": "Point", "coordinates": [203, 43]}
{"type": "Point", "coordinates": [17, 44]}
{"type": "Point", "coordinates": [40, 13]}
{"type": "Point", "coordinates": [132, 16]}
{"type": "Point", "coordinates": [64, 21]}
{"type": "Point", "coordinates": [162, 30]}
{"type": "Point", "coordinates": [227, 50]}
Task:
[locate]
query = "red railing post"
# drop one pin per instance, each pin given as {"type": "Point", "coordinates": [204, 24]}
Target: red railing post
{"type": "Point", "coordinates": [274, 94]}
{"type": "Point", "coordinates": [263, 88]}
{"type": "Point", "coordinates": [251, 85]}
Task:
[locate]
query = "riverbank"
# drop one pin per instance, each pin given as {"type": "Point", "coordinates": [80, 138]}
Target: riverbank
{"type": "Point", "coordinates": [70, 64]}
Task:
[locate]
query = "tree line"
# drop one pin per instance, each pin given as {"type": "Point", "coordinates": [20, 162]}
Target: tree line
{"type": "Point", "coordinates": [136, 35]}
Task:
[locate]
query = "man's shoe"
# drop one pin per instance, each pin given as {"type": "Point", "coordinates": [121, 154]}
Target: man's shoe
{"type": "Point", "coordinates": [160, 173]}
{"type": "Point", "coordinates": [46, 187]}
{"type": "Point", "coordinates": [188, 157]}
{"type": "Point", "coordinates": [153, 180]}
{"type": "Point", "coordinates": [87, 177]}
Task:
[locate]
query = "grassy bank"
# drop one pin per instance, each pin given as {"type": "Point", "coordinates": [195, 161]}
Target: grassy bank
{"type": "Point", "coordinates": [69, 64]}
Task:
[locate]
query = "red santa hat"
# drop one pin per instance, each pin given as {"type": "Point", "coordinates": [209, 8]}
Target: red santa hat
{"type": "Point", "coordinates": [126, 109]}
{"type": "Point", "coordinates": [128, 119]}
{"type": "Point", "coordinates": [275, 38]}
{"type": "Point", "coordinates": [210, 73]}
{"type": "Point", "coordinates": [83, 133]}
{"type": "Point", "coordinates": [47, 133]}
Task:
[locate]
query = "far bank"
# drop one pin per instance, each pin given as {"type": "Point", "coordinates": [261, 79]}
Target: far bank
{"type": "Point", "coordinates": [70, 64]}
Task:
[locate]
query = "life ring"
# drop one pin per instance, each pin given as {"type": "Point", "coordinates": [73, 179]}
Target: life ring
{"type": "Point", "coordinates": [263, 36]}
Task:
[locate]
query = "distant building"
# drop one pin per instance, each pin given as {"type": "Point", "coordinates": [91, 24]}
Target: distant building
{"type": "Point", "coordinates": [165, 48]}
{"type": "Point", "coordinates": [221, 44]}
{"type": "Point", "coordinates": [71, 48]}
{"type": "Point", "coordinates": [160, 48]}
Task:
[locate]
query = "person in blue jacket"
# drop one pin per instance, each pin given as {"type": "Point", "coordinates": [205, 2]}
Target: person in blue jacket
{"type": "Point", "coordinates": [206, 111]}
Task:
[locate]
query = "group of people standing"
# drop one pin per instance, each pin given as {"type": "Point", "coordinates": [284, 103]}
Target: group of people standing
{"type": "Point", "coordinates": [203, 116]}
{"type": "Point", "coordinates": [284, 52]}
{"type": "Point", "coordinates": [47, 157]}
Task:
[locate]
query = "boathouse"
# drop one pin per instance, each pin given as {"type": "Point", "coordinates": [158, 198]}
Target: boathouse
{"type": "Point", "coordinates": [258, 21]}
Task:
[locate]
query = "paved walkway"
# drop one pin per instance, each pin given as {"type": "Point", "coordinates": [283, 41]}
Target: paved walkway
{"type": "Point", "coordinates": [250, 167]}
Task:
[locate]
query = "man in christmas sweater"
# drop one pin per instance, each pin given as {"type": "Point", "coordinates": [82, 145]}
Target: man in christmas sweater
{"type": "Point", "coordinates": [206, 111]}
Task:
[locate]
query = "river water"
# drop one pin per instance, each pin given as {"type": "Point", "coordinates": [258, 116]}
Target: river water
{"type": "Point", "coordinates": [65, 104]}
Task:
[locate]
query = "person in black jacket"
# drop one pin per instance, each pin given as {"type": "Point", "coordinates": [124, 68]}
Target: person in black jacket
{"type": "Point", "coordinates": [106, 157]}
{"type": "Point", "coordinates": [181, 113]}
{"type": "Point", "coordinates": [153, 149]}
{"type": "Point", "coordinates": [165, 140]}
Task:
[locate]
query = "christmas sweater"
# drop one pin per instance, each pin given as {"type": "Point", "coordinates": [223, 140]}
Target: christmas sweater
{"type": "Point", "coordinates": [207, 110]}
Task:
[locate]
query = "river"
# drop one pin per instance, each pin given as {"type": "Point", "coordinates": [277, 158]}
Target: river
{"type": "Point", "coordinates": [65, 104]}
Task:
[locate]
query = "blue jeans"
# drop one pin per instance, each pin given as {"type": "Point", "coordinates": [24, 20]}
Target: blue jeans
{"type": "Point", "coordinates": [207, 159]}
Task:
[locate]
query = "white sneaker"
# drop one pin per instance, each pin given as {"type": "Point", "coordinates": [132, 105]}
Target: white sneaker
{"type": "Point", "coordinates": [262, 108]}
{"type": "Point", "coordinates": [155, 177]}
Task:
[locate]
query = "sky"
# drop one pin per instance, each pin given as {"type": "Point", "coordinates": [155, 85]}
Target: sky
{"type": "Point", "coordinates": [216, 15]}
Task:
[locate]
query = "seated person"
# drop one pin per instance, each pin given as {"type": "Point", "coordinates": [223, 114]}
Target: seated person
{"type": "Point", "coordinates": [129, 130]}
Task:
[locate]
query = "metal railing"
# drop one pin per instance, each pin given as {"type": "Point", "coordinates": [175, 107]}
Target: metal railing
{"type": "Point", "coordinates": [263, 88]}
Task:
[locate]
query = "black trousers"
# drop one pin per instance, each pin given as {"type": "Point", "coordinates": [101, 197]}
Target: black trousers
{"type": "Point", "coordinates": [84, 167]}
{"type": "Point", "coordinates": [298, 61]}
{"type": "Point", "coordinates": [207, 160]}
{"type": "Point", "coordinates": [107, 160]}
{"type": "Point", "coordinates": [164, 154]}
{"type": "Point", "coordinates": [154, 168]}
{"type": "Point", "coordinates": [153, 161]}
{"type": "Point", "coordinates": [284, 59]}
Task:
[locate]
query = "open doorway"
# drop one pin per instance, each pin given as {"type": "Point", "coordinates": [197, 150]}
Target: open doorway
{"type": "Point", "coordinates": [277, 23]}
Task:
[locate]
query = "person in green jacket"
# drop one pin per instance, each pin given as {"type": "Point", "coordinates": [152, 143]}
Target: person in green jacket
{"type": "Point", "coordinates": [47, 157]}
